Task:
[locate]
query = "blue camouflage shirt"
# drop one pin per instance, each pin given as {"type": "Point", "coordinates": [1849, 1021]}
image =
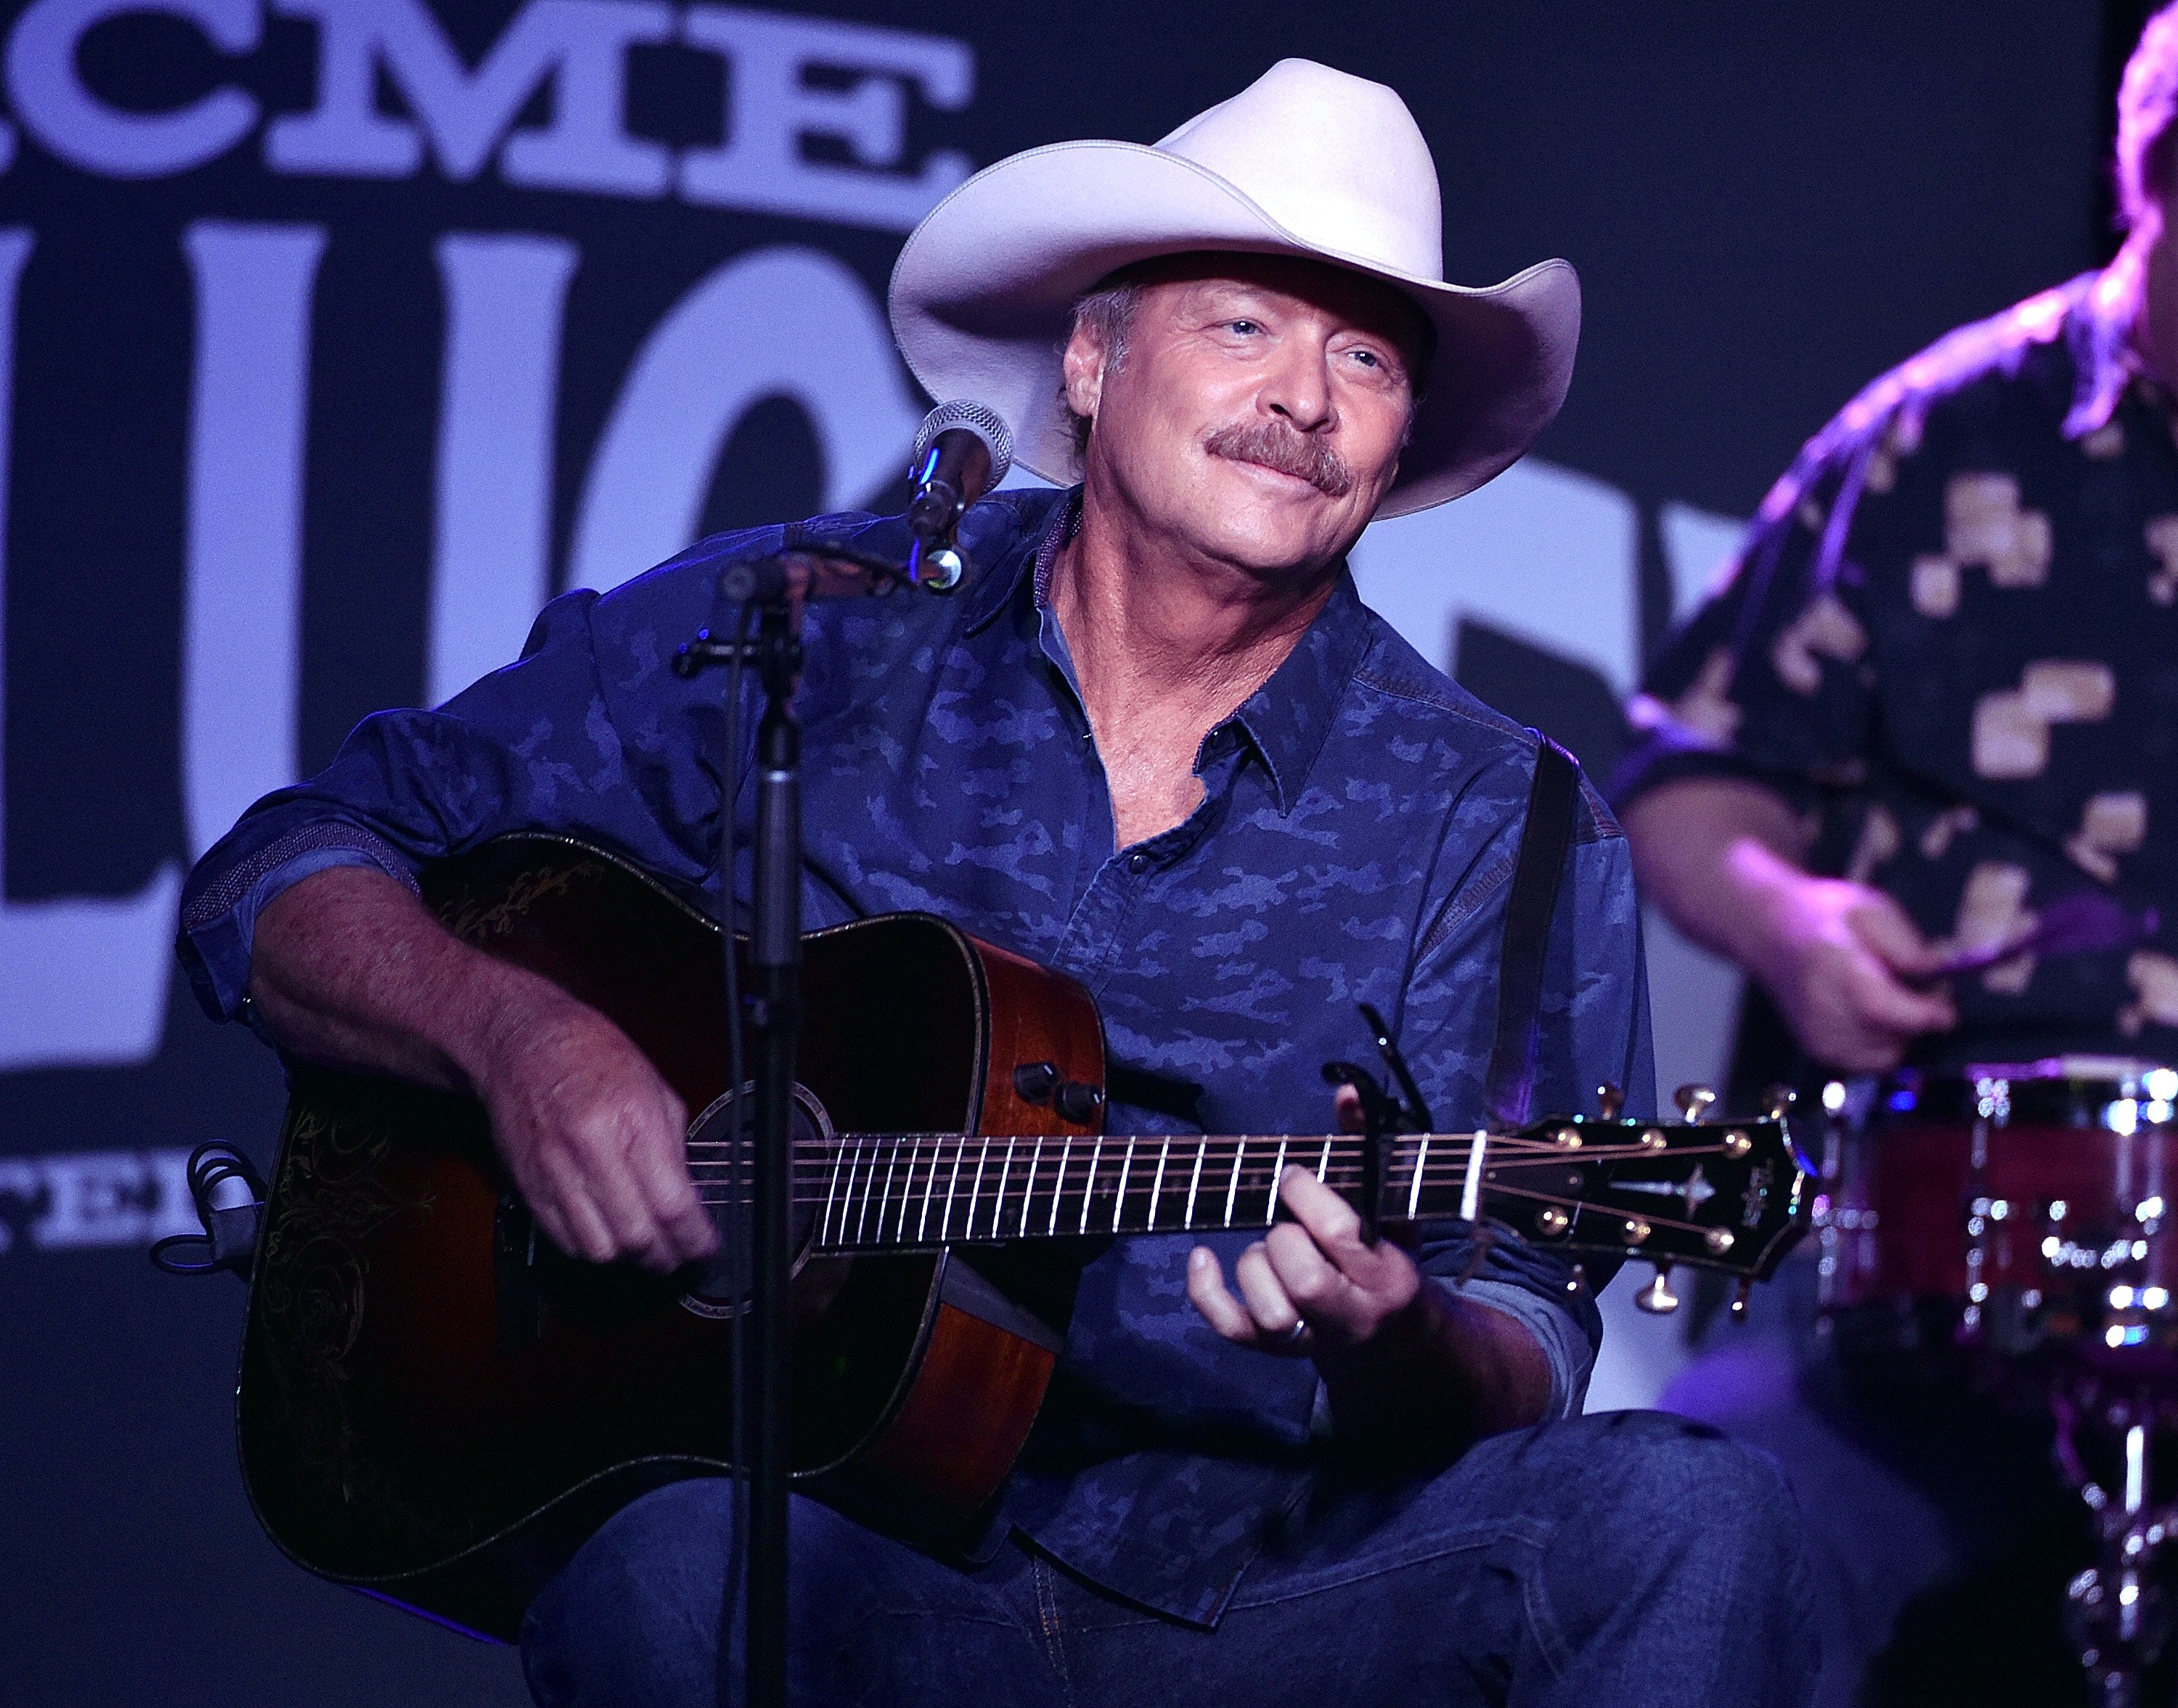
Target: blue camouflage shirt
{"type": "Point", "coordinates": [1356, 843]}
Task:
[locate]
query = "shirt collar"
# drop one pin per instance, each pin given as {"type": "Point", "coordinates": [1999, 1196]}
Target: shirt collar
{"type": "Point", "coordinates": [1288, 719]}
{"type": "Point", "coordinates": [1043, 523]}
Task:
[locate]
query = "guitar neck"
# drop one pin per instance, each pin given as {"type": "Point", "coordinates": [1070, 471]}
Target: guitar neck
{"type": "Point", "coordinates": [901, 1190]}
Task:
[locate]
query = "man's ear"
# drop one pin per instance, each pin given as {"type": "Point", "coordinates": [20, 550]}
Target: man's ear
{"type": "Point", "coordinates": [1081, 368]}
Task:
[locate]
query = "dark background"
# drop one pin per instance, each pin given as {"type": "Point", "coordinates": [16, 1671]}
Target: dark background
{"type": "Point", "coordinates": [1767, 205]}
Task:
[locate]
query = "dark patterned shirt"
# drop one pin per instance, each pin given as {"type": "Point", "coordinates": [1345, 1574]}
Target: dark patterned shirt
{"type": "Point", "coordinates": [1950, 636]}
{"type": "Point", "coordinates": [1354, 843]}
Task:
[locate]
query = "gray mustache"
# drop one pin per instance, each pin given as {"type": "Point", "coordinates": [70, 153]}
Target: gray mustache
{"type": "Point", "coordinates": [1277, 447]}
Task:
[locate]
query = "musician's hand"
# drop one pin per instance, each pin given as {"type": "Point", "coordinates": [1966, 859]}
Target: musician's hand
{"type": "Point", "coordinates": [597, 1142]}
{"type": "Point", "coordinates": [1310, 1285]}
{"type": "Point", "coordinates": [1839, 957]}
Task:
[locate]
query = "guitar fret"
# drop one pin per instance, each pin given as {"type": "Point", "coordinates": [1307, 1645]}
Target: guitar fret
{"type": "Point", "coordinates": [1414, 1191]}
{"type": "Point", "coordinates": [1000, 1202]}
{"type": "Point", "coordinates": [1233, 1186]}
{"type": "Point", "coordinates": [1194, 1185]}
{"type": "Point", "coordinates": [892, 1162]}
{"type": "Point", "coordinates": [824, 1224]}
{"type": "Point", "coordinates": [866, 1162]}
{"type": "Point", "coordinates": [1470, 1189]}
{"type": "Point", "coordinates": [1028, 1192]}
{"type": "Point", "coordinates": [1323, 1164]}
{"type": "Point", "coordinates": [1271, 1198]}
{"type": "Point", "coordinates": [1089, 1190]}
{"type": "Point", "coordinates": [929, 1190]}
{"type": "Point", "coordinates": [859, 1170]}
{"type": "Point", "coordinates": [907, 1187]}
{"type": "Point", "coordinates": [1156, 1188]}
{"type": "Point", "coordinates": [976, 1191]}
{"type": "Point", "coordinates": [1059, 1187]}
{"type": "Point", "coordinates": [946, 1222]}
{"type": "Point", "coordinates": [1119, 1201]}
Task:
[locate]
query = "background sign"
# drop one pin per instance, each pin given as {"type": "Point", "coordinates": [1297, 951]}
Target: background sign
{"type": "Point", "coordinates": [337, 335]}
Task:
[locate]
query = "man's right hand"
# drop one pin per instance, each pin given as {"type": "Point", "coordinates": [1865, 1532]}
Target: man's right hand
{"type": "Point", "coordinates": [596, 1141]}
{"type": "Point", "coordinates": [1838, 958]}
{"type": "Point", "coordinates": [351, 970]}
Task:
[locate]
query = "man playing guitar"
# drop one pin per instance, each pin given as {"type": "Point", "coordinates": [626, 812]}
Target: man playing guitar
{"type": "Point", "coordinates": [1158, 744]}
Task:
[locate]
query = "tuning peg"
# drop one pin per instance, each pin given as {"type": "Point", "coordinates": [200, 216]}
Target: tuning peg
{"type": "Point", "coordinates": [1777, 1102]}
{"type": "Point", "coordinates": [1609, 1101]}
{"type": "Point", "coordinates": [1657, 1298]}
{"type": "Point", "coordinates": [1693, 1100]}
{"type": "Point", "coordinates": [1740, 1295]}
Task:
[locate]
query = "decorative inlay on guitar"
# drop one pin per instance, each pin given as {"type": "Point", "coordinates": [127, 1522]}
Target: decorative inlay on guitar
{"type": "Point", "coordinates": [437, 1407]}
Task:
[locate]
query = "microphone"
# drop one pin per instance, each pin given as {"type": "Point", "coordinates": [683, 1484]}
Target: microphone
{"type": "Point", "coordinates": [962, 451]}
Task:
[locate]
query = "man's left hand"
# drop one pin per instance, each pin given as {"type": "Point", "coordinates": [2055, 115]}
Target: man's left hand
{"type": "Point", "coordinates": [1309, 1286]}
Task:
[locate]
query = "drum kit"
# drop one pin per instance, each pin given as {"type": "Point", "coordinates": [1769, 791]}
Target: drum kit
{"type": "Point", "coordinates": [2032, 1210]}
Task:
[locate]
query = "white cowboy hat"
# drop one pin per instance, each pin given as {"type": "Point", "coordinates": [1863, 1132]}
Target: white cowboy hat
{"type": "Point", "coordinates": [1305, 161]}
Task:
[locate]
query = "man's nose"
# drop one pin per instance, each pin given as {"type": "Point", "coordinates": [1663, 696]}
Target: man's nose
{"type": "Point", "coordinates": [1298, 388]}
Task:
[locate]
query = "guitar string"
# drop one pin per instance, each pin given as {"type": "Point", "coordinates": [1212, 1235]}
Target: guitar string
{"type": "Point", "coordinates": [815, 1156]}
{"type": "Point", "coordinates": [923, 1167]}
{"type": "Point", "coordinates": [1500, 1188]}
{"type": "Point", "coordinates": [1253, 1182]}
{"type": "Point", "coordinates": [1343, 1144]}
{"type": "Point", "coordinates": [1577, 1206]}
{"type": "Point", "coordinates": [922, 1177]}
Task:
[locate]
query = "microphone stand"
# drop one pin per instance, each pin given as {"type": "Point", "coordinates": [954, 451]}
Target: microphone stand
{"type": "Point", "coordinates": [772, 1007]}
{"type": "Point", "coordinates": [775, 1016]}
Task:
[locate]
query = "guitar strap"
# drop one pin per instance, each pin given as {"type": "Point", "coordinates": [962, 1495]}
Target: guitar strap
{"type": "Point", "coordinates": [1538, 869]}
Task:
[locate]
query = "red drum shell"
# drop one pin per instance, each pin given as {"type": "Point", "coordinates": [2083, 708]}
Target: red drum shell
{"type": "Point", "coordinates": [2042, 1177]}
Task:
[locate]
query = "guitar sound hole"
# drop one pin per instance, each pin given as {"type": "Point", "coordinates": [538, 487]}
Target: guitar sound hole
{"type": "Point", "coordinates": [723, 1288]}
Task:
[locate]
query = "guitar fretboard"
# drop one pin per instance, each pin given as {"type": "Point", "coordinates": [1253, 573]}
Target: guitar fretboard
{"type": "Point", "coordinates": [906, 1190]}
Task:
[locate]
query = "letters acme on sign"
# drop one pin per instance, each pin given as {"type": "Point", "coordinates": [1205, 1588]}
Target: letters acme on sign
{"type": "Point", "coordinates": [836, 148]}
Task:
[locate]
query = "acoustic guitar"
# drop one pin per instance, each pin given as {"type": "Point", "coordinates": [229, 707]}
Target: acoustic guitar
{"type": "Point", "coordinates": [437, 1407]}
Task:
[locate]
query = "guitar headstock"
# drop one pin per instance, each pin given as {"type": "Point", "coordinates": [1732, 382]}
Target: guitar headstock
{"type": "Point", "coordinates": [1731, 1195]}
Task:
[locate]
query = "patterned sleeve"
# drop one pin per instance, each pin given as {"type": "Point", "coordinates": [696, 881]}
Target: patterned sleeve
{"type": "Point", "coordinates": [1595, 1028]}
{"type": "Point", "coordinates": [1771, 680]}
{"type": "Point", "coordinates": [587, 733]}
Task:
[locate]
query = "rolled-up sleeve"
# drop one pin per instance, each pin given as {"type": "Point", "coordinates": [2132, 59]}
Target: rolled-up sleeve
{"type": "Point", "coordinates": [220, 908]}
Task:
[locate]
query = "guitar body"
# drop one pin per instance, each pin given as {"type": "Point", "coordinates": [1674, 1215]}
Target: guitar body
{"type": "Point", "coordinates": [437, 1408]}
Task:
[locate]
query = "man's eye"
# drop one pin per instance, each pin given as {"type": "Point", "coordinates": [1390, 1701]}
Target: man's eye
{"type": "Point", "coordinates": [1245, 327]}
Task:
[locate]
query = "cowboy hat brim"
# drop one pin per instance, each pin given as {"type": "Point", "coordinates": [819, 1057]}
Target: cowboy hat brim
{"type": "Point", "coordinates": [983, 292]}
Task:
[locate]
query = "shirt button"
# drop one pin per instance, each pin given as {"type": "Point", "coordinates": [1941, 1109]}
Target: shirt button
{"type": "Point", "coordinates": [1138, 863]}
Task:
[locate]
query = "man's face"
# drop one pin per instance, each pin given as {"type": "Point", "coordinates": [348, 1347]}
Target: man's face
{"type": "Point", "coordinates": [1257, 414]}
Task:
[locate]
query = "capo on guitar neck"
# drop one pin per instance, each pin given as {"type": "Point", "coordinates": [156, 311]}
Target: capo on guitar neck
{"type": "Point", "coordinates": [1382, 1114]}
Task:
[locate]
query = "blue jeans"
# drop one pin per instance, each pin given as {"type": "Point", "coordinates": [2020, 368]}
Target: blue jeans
{"type": "Point", "coordinates": [1629, 1559]}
